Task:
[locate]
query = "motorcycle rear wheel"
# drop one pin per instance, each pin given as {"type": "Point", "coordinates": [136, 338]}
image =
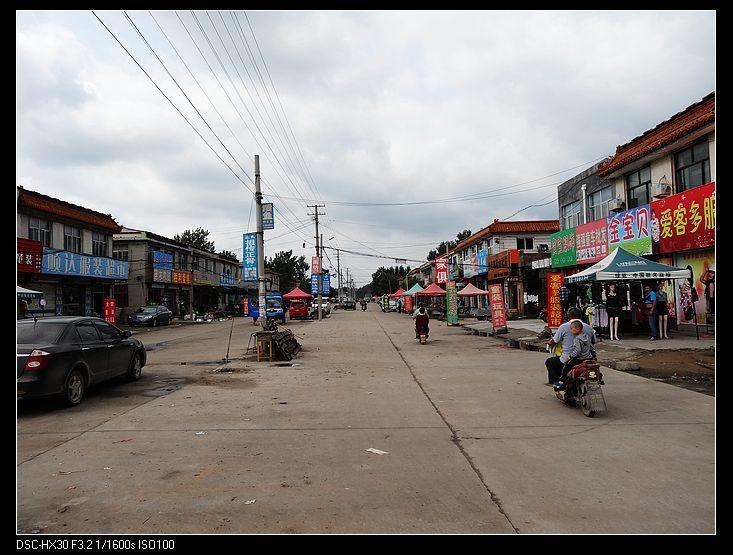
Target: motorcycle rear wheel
{"type": "Point", "coordinates": [584, 400]}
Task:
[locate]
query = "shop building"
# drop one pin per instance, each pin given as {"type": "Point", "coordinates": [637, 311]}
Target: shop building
{"type": "Point", "coordinates": [164, 271]}
{"type": "Point", "coordinates": [64, 251]}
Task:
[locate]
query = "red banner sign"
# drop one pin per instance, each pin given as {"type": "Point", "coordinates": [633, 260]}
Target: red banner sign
{"type": "Point", "coordinates": [181, 277]}
{"type": "Point", "coordinates": [684, 221]}
{"type": "Point", "coordinates": [441, 270]}
{"type": "Point", "coordinates": [30, 256]}
{"type": "Point", "coordinates": [591, 242]}
{"type": "Point", "coordinates": [498, 307]}
{"type": "Point", "coordinates": [315, 265]}
{"type": "Point", "coordinates": [110, 306]}
{"type": "Point", "coordinates": [245, 306]}
{"type": "Point", "coordinates": [408, 303]}
{"type": "Point", "coordinates": [554, 307]}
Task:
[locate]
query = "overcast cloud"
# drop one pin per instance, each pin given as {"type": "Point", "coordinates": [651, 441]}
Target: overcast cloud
{"type": "Point", "coordinates": [386, 106]}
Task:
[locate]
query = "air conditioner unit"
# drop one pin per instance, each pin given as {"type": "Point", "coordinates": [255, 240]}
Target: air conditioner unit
{"type": "Point", "coordinates": [616, 205]}
{"type": "Point", "coordinates": [660, 190]}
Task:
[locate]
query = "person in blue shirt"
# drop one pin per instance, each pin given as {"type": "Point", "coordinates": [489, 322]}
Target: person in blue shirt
{"type": "Point", "coordinates": [650, 298]}
{"type": "Point", "coordinates": [565, 336]}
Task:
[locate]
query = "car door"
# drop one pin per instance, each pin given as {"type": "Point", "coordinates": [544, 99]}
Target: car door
{"type": "Point", "coordinates": [93, 350]}
{"type": "Point", "coordinates": [119, 349]}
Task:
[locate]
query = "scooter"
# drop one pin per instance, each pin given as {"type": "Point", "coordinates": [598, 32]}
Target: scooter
{"type": "Point", "coordinates": [582, 388]}
{"type": "Point", "coordinates": [363, 306]}
{"type": "Point", "coordinates": [422, 328]}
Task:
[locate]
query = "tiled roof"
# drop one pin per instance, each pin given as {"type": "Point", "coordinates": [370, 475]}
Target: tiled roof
{"type": "Point", "coordinates": [51, 205]}
{"type": "Point", "coordinates": [497, 227]}
{"type": "Point", "coordinates": [688, 120]}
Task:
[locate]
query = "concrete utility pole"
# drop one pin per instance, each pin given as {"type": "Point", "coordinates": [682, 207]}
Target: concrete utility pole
{"type": "Point", "coordinates": [319, 248]}
{"type": "Point", "coordinates": [338, 271]}
{"type": "Point", "coordinates": [190, 293]}
{"type": "Point", "coordinates": [260, 248]}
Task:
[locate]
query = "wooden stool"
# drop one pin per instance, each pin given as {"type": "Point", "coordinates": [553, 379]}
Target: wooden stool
{"type": "Point", "coordinates": [264, 346]}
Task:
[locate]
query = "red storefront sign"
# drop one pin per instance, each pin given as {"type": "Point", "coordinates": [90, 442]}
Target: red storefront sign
{"type": "Point", "coordinates": [441, 270]}
{"type": "Point", "coordinates": [554, 308]}
{"type": "Point", "coordinates": [498, 307]}
{"type": "Point", "coordinates": [499, 265]}
{"type": "Point", "coordinates": [245, 306]}
{"type": "Point", "coordinates": [181, 277]}
{"type": "Point", "coordinates": [591, 242]}
{"type": "Point", "coordinates": [30, 255]}
{"type": "Point", "coordinates": [684, 221]}
{"type": "Point", "coordinates": [110, 306]}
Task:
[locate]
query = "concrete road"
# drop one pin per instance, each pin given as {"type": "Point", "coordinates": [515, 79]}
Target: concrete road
{"type": "Point", "coordinates": [474, 442]}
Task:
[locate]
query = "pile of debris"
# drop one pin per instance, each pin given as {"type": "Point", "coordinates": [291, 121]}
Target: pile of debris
{"type": "Point", "coordinates": [286, 346]}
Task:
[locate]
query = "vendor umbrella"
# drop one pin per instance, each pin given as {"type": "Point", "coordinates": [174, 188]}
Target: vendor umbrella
{"type": "Point", "coordinates": [297, 293]}
{"type": "Point", "coordinates": [621, 265]}
{"type": "Point", "coordinates": [412, 290]}
{"type": "Point", "coordinates": [397, 293]}
{"type": "Point", "coordinates": [432, 290]}
{"type": "Point", "coordinates": [471, 290]}
{"type": "Point", "coordinates": [24, 293]}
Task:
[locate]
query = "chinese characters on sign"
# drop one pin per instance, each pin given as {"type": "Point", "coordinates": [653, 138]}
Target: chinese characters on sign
{"type": "Point", "coordinates": [498, 307]}
{"type": "Point", "coordinates": [74, 264]}
{"type": "Point", "coordinates": [161, 275]}
{"type": "Point", "coordinates": [249, 262]}
{"type": "Point", "coordinates": [326, 284]}
{"type": "Point", "coordinates": [30, 255]}
{"type": "Point", "coordinates": [563, 248]}
{"type": "Point", "coordinates": [554, 307]}
{"type": "Point", "coordinates": [591, 242]}
{"type": "Point", "coordinates": [481, 261]}
{"type": "Point", "coordinates": [441, 270]}
{"type": "Point", "coordinates": [685, 221]}
{"type": "Point", "coordinates": [268, 216]}
{"type": "Point", "coordinates": [314, 284]}
{"type": "Point", "coordinates": [109, 310]}
{"type": "Point", "coordinates": [245, 305]}
{"type": "Point", "coordinates": [227, 280]}
{"type": "Point", "coordinates": [631, 230]}
{"type": "Point", "coordinates": [162, 260]}
{"type": "Point", "coordinates": [181, 277]}
{"type": "Point", "coordinates": [451, 302]}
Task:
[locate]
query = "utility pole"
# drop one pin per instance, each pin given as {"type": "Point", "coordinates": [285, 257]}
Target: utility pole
{"type": "Point", "coordinates": [347, 283]}
{"type": "Point", "coordinates": [319, 248]}
{"type": "Point", "coordinates": [260, 248]}
{"type": "Point", "coordinates": [190, 293]}
{"type": "Point", "coordinates": [338, 271]}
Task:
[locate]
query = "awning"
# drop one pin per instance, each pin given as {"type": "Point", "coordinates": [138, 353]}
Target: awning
{"type": "Point", "coordinates": [622, 265]}
{"type": "Point", "coordinates": [24, 293]}
{"type": "Point", "coordinates": [432, 290]}
{"type": "Point", "coordinates": [412, 290]}
{"type": "Point", "coordinates": [297, 293]}
{"type": "Point", "coordinates": [397, 293]}
{"type": "Point", "coordinates": [471, 290]}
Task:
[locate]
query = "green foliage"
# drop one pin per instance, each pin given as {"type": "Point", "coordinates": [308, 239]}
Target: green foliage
{"type": "Point", "coordinates": [388, 280]}
{"type": "Point", "coordinates": [229, 254]}
{"type": "Point", "coordinates": [196, 238]}
{"type": "Point", "coordinates": [293, 270]}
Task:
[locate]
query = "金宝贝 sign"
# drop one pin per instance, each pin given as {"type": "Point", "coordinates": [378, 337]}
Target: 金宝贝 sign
{"type": "Point", "coordinates": [631, 230]}
{"type": "Point", "coordinates": [554, 307]}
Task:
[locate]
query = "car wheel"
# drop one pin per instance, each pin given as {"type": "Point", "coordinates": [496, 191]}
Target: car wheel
{"type": "Point", "coordinates": [136, 368]}
{"type": "Point", "coordinates": [74, 388]}
{"type": "Point", "coordinates": [155, 322]}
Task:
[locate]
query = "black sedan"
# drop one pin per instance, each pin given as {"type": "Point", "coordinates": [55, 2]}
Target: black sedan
{"type": "Point", "coordinates": [63, 356]}
{"type": "Point", "coordinates": [150, 316]}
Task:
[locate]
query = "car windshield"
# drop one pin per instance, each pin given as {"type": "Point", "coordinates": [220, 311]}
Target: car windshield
{"type": "Point", "coordinates": [147, 310]}
{"type": "Point", "coordinates": [39, 333]}
{"type": "Point", "coordinates": [274, 303]}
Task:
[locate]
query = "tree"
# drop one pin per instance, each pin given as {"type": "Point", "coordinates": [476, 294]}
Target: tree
{"type": "Point", "coordinates": [465, 234]}
{"type": "Point", "coordinates": [196, 238]}
{"type": "Point", "coordinates": [388, 280]}
{"type": "Point", "coordinates": [229, 254]}
{"type": "Point", "coordinates": [293, 270]}
{"type": "Point", "coordinates": [444, 247]}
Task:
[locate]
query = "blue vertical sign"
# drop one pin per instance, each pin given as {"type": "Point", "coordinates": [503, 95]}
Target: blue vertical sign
{"type": "Point", "coordinates": [314, 284]}
{"type": "Point", "coordinates": [249, 263]}
{"type": "Point", "coordinates": [268, 216]}
{"type": "Point", "coordinates": [326, 284]}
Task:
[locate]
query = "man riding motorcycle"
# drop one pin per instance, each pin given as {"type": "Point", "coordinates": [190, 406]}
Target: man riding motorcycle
{"type": "Point", "coordinates": [422, 319]}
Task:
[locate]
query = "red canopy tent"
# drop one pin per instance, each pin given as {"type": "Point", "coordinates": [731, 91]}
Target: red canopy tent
{"type": "Point", "coordinates": [471, 290]}
{"type": "Point", "coordinates": [432, 290]}
{"type": "Point", "coordinates": [397, 293]}
{"type": "Point", "coordinates": [296, 294]}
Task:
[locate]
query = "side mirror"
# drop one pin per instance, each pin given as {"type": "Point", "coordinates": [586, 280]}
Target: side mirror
{"type": "Point", "coordinates": [126, 334]}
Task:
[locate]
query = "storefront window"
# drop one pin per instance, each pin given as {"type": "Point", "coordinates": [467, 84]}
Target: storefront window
{"type": "Point", "coordinates": [693, 166]}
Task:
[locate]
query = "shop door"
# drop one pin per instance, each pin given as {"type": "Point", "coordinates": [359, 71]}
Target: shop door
{"type": "Point", "coordinates": [73, 300]}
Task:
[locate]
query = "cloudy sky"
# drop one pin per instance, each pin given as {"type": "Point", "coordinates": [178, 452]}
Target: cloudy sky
{"type": "Point", "coordinates": [383, 107]}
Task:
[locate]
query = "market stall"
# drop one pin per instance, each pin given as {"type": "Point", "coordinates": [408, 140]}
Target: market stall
{"type": "Point", "coordinates": [434, 295]}
{"type": "Point", "coordinates": [409, 299]}
{"type": "Point", "coordinates": [470, 291]}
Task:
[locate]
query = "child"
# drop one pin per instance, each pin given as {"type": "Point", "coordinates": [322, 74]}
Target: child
{"type": "Point", "coordinates": [581, 349]}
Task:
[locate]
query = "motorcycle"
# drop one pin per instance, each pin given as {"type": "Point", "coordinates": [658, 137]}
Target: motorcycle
{"type": "Point", "coordinates": [582, 388]}
{"type": "Point", "coordinates": [363, 306]}
{"type": "Point", "coordinates": [543, 314]}
{"type": "Point", "coordinates": [422, 328]}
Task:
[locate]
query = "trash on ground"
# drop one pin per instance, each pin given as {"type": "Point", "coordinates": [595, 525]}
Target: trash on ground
{"type": "Point", "coordinates": [200, 433]}
{"type": "Point", "coordinates": [123, 440]}
{"type": "Point", "coordinates": [106, 468]}
{"type": "Point", "coordinates": [250, 501]}
{"type": "Point", "coordinates": [71, 487]}
{"type": "Point", "coordinates": [376, 451]}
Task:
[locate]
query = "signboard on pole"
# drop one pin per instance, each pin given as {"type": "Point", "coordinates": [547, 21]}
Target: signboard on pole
{"type": "Point", "coordinates": [314, 284]}
{"type": "Point", "coordinates": [110, 306]}
{"type": "Point", "coordinates": [315, 265]}
{"type": "Point", "coordinates": [498, 307]}
{"type": "Point", "coordinates": [249, 255]}
{"type": "Point", "coordinates": [268, 216]}
{"type": "Point", "coordinates": [441, 270]}
{"type": "Point", "coordinates": [554, 306]}
{"type": "Point", "coordinates": [326, 284]}
{"type": "Point", "coordinates": [451, 303]}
